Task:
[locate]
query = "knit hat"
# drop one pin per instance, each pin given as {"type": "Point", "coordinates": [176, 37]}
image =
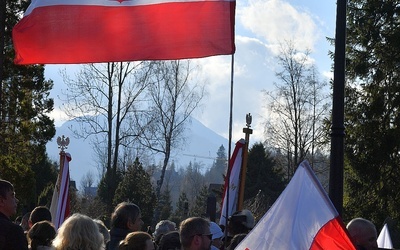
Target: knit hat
{"type": "Point", "coordinates": [215, 231]}
{"type": "Point", "coordinates": [244, 217]}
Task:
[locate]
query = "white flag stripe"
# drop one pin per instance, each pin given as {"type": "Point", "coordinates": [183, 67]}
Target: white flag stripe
{"type": "Point", "coordinates": [233, 185]}
{"type": "Point", "coordinates": [384, 239]}
{"type": "Point", "coordinates": [54, 202]}
{"type": "Point", "coordinates": [295, 218]}
{"type": "Point", "coordinates": [60, 197]}
{"type": "Point", "coordinates": [111, 3]}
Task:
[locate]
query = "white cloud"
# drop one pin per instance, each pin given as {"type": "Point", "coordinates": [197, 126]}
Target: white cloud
{"type": "Point", "coordinates": [277, 21]}
{"type": "Point", "coordinates": [253, 72]}
{"type": "Point", "coordinates": [59, 116]}
{"type": "Point", "coordinates": [261, 26]}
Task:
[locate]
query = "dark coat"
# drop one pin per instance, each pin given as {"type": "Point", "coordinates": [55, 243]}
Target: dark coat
{"type": "Point", "coordinates": [11, 235]}
{"type": "Point", "coordinates": [116, 235]}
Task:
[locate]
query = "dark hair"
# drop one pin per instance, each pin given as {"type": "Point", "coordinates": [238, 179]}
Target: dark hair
{"type": "Point", "coordinates": [42, 233]}
{"type": "Point", "coordinates": [135, 241]}
{"type": "Point", "coordinates": [5, 186]}
{"type": "Point", "coordinates": [237, 228]}
{"type": "Point", "coordinates": [124, 212]}
{"type": "Point", "coordinates": [40, 213]}
{"type": "Point", "coordinates": [237, 223]}
{"type": "Point", "coordinates": [170, 241]}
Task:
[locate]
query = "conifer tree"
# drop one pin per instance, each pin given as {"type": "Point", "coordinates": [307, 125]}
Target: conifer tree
{"type": "Point", "coordinates": [262, 176]}
{"type": "Point", "coordinates": [182, 207]}
{"type": "Point", "coordinates": [200, 205]}
{"type": "Point", "coordinates": [219, 167]}
{"type": "Point", "coordinates": [136, 187]}
{"type": "Point", "coordinates": [25, 125]}
{"type": "Point", "coordinates": [372, 111]}
{"type": "Point", "coordinates": [166, 204]}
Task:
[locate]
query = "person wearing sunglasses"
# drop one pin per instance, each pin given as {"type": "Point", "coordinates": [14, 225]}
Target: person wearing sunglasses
{"type": "Point", "coordinates": [195, 234]}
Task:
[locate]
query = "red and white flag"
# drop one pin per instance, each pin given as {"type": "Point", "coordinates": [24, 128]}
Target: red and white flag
{"type": "Point", "coordinates": [384, 239]}
{"type": "Point", "coordinates": [90, 31]}
{"type": "Point", "coordinates": [232, 186]}
{"type": "Point", "coordinates": [303, 217]}
{"type": "Point", "coordinates": [60, 202]}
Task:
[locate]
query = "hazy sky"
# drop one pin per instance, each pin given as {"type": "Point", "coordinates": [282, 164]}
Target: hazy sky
{"type": "Point", "coordinates": [260, 26]}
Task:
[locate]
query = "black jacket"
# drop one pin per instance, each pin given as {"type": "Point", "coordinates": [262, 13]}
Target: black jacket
{"type": "Point", "coordinates": [116, 235]}
{"type": "Point", "coordinates": [11, 235]}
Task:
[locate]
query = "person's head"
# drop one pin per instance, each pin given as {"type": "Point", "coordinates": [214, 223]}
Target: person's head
{"type": "Point", "coordinates": [127, 216]}
{"type": "Point", "coordinates": [363, 233]}
{"type": "Point", "coordinates": [241, 222]}
{"type": "Point", "coordinates": [137, 241]}
{"type": "Point", "coordinates": [217, 235]}
{"type": "Point", "coordinates": [78, 232]}
{"type": "Point", "coordinates": [170, 241]}
{"type": "Point", "coordinates": [40, 213]}
{"type": "Point", "coordinates": [41, 233]}
{"type": "Point", "coordinates": [236, 240]}
{"type": "Point", "coordinates": [195, 234]}
{"type": "Point", "coordinates": [18, 220]}
{"type": "Point", "coordinates": [8, 201]}
{"type": "Point", "coordinates": [162, 228]}
{"type": "Point", "coordinates": [103, 230]}
{"type": "Point", "coordinates": [25, 222]}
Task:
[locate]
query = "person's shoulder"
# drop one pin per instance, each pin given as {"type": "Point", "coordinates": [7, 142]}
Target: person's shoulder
{"type": "Point", "coordinates": [12, 236]}
{"type": "Point", "coordinates": [9, 225]}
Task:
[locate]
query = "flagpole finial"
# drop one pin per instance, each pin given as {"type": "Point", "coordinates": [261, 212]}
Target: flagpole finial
{"type": "Point", "coordinates": [63, 143]}
{"type": "Point", "coordinates": [248, 120]}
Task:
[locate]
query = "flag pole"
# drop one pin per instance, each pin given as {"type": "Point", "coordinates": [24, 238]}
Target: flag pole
{"type": "Point", "coordinates": [228, 175]}
{"type": "Point", "coordinates": [338, 129]}
{"type": "Point", "coordinates": [60, 184]}
{"type": "Point", "coordinates": [248, 131]}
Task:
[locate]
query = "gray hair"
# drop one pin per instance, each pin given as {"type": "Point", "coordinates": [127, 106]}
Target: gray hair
{"type": "Point", "coordinates": [163, 227]}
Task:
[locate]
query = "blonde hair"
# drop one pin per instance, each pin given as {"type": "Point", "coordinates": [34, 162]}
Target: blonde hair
{"type": "Point", "coordinates": [78, 232]}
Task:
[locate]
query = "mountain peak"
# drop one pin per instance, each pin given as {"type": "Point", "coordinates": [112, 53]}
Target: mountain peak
{"type": "Point", "coordinates": [201, 146]}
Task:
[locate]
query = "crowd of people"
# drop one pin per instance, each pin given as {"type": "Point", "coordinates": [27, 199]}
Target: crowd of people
{"type": "Point", "coordinates": [82, 232]}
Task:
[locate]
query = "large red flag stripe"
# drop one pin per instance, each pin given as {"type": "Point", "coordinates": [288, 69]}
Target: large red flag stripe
{"type": "Point", "coordinates": [332, 235]}
{"type": "Point", "coordinates": [123, 30]}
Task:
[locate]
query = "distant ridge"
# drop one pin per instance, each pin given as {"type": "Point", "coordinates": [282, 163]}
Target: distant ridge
{"type": "Point", "coordinates": [201, 146]}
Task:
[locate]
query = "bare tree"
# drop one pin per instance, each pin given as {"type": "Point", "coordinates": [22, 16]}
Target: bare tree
{"type": "Point", "coordinates": [296, 108]}
{"type": "Point", "coordinates": [87, 182]}
{"type": "Point", "coordinates": [102, 98]}
{"type": "Point", "coordinates": [173, 96]}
